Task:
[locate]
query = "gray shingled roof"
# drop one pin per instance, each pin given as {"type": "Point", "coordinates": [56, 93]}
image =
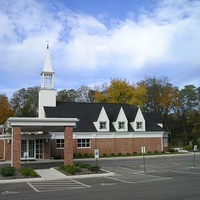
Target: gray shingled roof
{"type": "Point", "coordinates": [89, 113]}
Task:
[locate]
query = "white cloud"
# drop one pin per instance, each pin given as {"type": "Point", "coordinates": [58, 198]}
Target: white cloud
{"type": "Point", "coordinates": [158, 43]}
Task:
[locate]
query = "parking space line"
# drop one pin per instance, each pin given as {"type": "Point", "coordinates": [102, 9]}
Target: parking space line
{"type": "Point", "coordinates": [58, 185]}
{"type": "Point", "coordinates": [138, 178]}
{"type": "Point", "coordinates": [115, 179]}
{"type": "Point", "coordinates": [182, 172]}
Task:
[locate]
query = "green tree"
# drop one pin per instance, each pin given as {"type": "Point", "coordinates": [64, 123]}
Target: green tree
{"type": "Point", "coordinates": [67, 96]}
{"type": "Point", "coordinates": [155, 89]}
{"type": "Point", "coordinates": [5, 109]}
{"type": "Point", "coordinates": [25, 102]}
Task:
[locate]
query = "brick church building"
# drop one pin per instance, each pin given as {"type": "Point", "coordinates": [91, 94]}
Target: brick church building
{"type": "Point", "coordinates": [63, 129]}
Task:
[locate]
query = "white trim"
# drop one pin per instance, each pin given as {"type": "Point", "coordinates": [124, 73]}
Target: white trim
{"type": "Point", "coordinates": [109, 135]}
{"type": "Point", "coordinates": [39, 122]}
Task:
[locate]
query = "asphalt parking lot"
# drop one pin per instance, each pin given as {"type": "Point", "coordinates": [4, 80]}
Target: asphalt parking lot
{"type": "Point", "coordinates": [167, 177]}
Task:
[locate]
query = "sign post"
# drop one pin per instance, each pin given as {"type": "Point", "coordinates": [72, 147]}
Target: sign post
{"type": "Point", "coordinates": [195, 150]}
{"type": "Point", "coordinates": [143, 150]}
{"type": "Point", "coordinates": [96, 154]}
{"type": "Point", "coordinates": [26, 158]}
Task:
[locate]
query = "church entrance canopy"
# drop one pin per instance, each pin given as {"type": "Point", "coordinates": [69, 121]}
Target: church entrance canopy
{"type": "Point", "coordinates": [15, 126]}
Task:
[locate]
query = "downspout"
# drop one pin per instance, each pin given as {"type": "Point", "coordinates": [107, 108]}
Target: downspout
{"type": "Point", "coordinates": [162, 148]}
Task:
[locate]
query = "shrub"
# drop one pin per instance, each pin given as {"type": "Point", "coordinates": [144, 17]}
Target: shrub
{"type": "Point", "coordinates": [119, 154]}
{"type": "Point", "coordinates": [134, 153]}
{"type": "Point", "coordinates": [82, 165]}
{"type": "Point", "coordinates": [94, 168]}
{"type": "Point", "coordinates": [172, 150]}
{"type": "Point", "coordinates": [156, 152]}
{"type": "Point", "coordinates": [28, 172]}
{"type": "Point", "coordinates": [104, 155]}
{"type": "Point", "coordinates": [8, 171]}
{"type": "Point", "coordinates": [85, 155]}
{"type": "Point", "coordinates": [70, 169]}
{"type": "Point", "coordinates": [88, 166]}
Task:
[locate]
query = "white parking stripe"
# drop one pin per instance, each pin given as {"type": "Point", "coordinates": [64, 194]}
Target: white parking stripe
{"type": "Point", "coordinates": [47, 186]}
{"type": "Point", "coordinates": [182, 172]}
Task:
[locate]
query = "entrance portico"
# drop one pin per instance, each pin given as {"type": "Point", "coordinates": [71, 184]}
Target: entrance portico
{"type": "Point", "coordinates": [15, 126]}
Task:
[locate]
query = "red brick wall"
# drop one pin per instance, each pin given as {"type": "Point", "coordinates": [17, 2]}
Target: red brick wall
{"type": "Point", "coordinates": [124, 146]}
{"type": "Point", "coordinates": [8, 149]}
{"type": "Point", "coordinates": [47, 149]}
{"type": "Point", "coordinates": [68, 146]}
{"type": "Point", "coordinates": [151, 144]}
{"type": "Point", "coordinates": [1, 149]}
{"type": "Point", "coordinates": [16, 162]}
{"type": "Point", "coordinates": [113, 146]}
{"type": "Point", "coordinates": [56, 153]}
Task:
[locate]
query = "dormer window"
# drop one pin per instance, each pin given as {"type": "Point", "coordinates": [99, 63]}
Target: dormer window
{"type": "Point", "coordinates": [121, 125]}
{"type": "Point", "coordinates": [139, 125]}
{"type": "Point", "coordinates": [102, 125]}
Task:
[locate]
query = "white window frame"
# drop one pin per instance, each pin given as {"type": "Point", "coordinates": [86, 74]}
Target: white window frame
{"type": "Point", "coordinates": [121, 125]}
{"type": "Point", "coordinates": [139, 125]}
{"type": "Point", "coordinates": [59, 143]}
{"type": "Point", "coordinates": [84, 143]}
{"type": "Point", "coordinates": [102, 125]}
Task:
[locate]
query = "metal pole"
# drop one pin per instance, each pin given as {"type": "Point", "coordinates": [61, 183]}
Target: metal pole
{"type": "Point", "coordinates": [144, 161]}
{"type": "Point", "coordinates": [97, 164]}
{"type": "Point", "coordinates": [194, 159]}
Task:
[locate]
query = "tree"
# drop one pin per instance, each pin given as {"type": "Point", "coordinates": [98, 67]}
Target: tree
{"type": "Point", "coordinates": [67, 95]}
{"type": "Point", "coordinates": [155, 88]}
{"type": "Point", "coordinates": [25, 102]}
{"type": "Point", "coordinates": [5, 109]}
{"type": "Point", "coordinates": [120, 91]}
{"type": "Point", "coordinates": [85, 94]}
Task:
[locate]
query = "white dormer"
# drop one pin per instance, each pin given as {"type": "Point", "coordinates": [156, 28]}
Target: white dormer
{"type": "Point", "coordinates": [121, 124]}
{"type": "Point", "coordinates": [102, 123]}
{"type": "Point", "coordinates": [139, 123]}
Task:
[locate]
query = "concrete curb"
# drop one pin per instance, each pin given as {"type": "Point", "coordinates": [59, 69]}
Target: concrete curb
{"type": "Point", "coordinates": [57, 178]}
{"type": "Point", "coordinates": [21, 180]}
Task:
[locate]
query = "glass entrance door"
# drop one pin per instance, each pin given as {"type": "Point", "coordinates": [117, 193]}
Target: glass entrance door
{"type": "Point", "coordinates": [39, 149]}
{"type": "Point", "coordinates": [28, 146]}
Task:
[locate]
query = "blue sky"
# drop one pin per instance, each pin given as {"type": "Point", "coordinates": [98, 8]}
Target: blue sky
{"type": "Point", "coordinates": [92, 41]}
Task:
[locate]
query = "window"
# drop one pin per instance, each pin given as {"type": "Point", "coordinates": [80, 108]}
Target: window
{"type": "Point", "coordinates": [60, 143]}
{"type": "Point", "coordinates": [139, 125]}
{"type": "Point", "coordinates": [83, 143]}
{"type": "Point", "coordinates": [102, 125]}
{"type": "Point", "coordinates": [165, 142]}
{"type": "Point", "coordinates": [121, 125]}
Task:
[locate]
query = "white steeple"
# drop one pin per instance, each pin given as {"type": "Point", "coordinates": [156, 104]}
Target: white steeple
{"type": "Point", "coordinates": [47, 75]}
{"type": "Point", "coordinates": [47, 63]}
{"type": "Point", "coordinates": [47, 93]}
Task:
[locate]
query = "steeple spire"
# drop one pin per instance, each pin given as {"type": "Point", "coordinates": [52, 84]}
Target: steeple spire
{"type": "Point", "coordinates": [47, 64]}
{"type": "Point", "coordinates": [47, 74]}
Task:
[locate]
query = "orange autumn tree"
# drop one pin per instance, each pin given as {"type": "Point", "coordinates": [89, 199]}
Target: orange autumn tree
{"type": "Point", "coordinates": [5, 109]}
{"type": "Point", "coordinates": [121, 91]}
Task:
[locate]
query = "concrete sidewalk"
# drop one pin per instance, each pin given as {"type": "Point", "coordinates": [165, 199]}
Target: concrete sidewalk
{"type": "Point", "coordinates": [50, 174]}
